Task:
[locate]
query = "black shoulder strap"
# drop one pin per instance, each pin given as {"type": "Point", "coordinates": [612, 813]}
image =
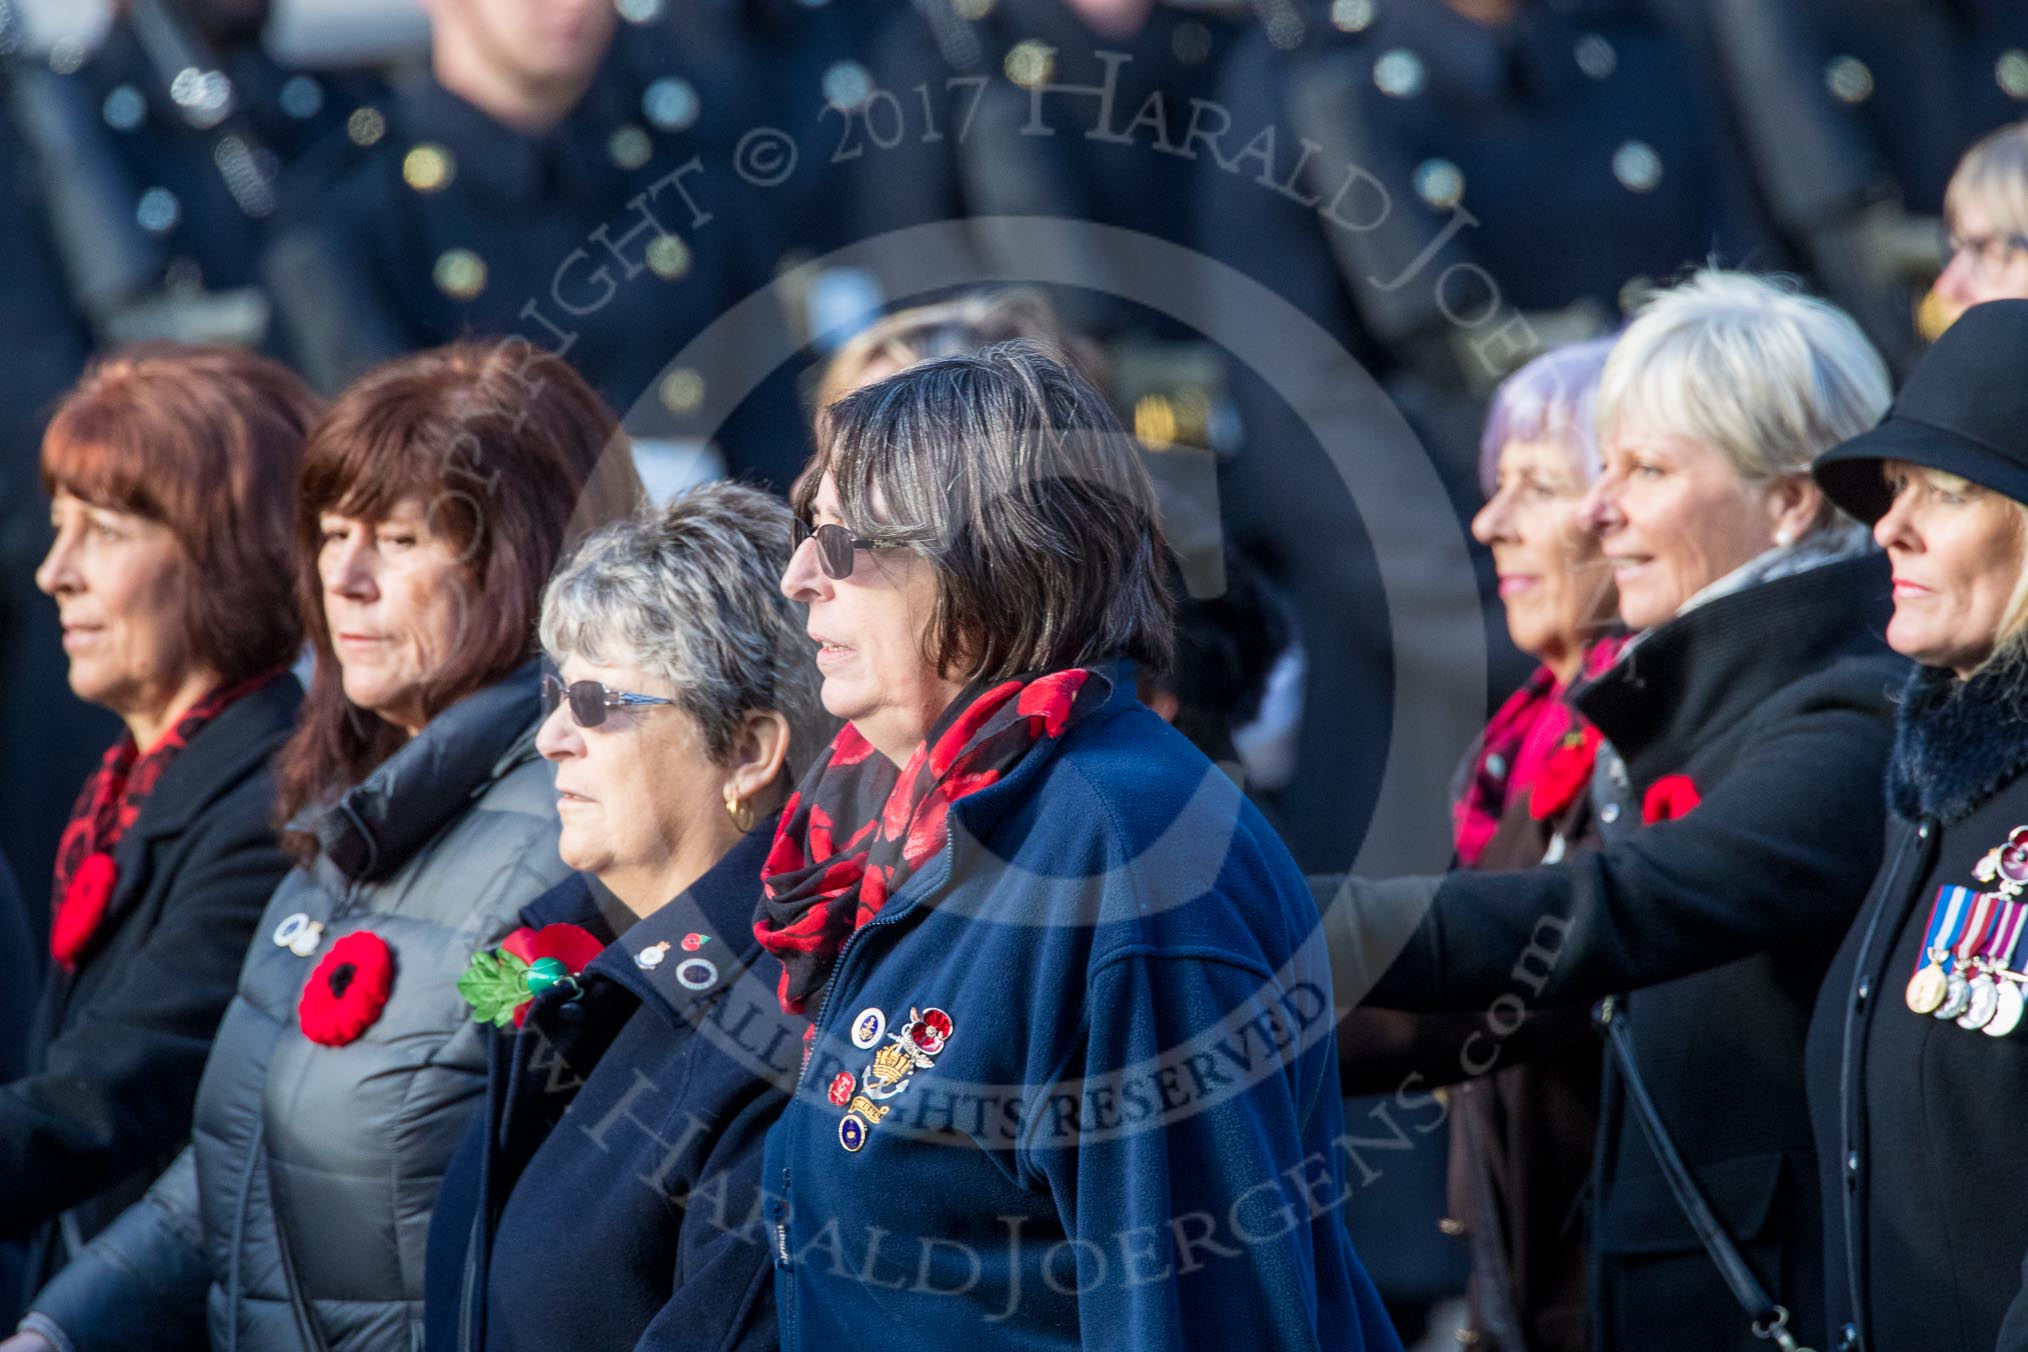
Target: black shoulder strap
{"type": "Point", "coordinates": [1770, 1320]}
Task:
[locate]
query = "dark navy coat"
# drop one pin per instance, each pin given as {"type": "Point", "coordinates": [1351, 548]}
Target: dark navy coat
{"type": "Point", "coordinates": [607, 241]}
{"type": "Point", "coordinates": [601, 1199]}
{"type": "Point", "coordinates": [1128, 1133]}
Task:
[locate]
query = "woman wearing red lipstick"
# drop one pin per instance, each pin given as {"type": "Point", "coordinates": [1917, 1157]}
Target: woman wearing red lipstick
{"type": "Point", "coordinates": [1540, 456]}
{"type": "Point", "coordinates": [169, 471]}
{"type": "Point", "coordinates": [1738, 806]}
{"type": "Point", "coordinates": [1918, 1065]}
{"type": "Point", "coordinates": [436, 495]}
{"type": "Point", "coordinates": [1520, 1145]}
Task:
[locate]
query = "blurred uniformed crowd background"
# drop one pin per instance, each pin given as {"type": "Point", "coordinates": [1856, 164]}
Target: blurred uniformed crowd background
{"type": "Point", "coordinates": [1442, 188]}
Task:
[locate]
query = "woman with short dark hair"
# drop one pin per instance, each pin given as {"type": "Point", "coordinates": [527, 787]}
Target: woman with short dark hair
{"type": "Point", "coordinates": [168, 470]}
{"type": "Point", "coordinates": [436, 495]}
{"type": "Point", "coordinates": [1067, 1027]}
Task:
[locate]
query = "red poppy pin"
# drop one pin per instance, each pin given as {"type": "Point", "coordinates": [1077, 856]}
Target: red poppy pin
{"type": "Point", "coordinates": [1668, 798]}
{"type": "Point", "coordinates": [85, 899]}
{"type": "Point", "coordinates": [347, 989]}
{"type": "Point", "coordinates": [1564, 774]}
{"type": "Point", "coordinates": [501, 984]}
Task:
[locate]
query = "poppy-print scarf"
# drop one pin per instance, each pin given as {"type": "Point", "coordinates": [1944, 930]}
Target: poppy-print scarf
{"type": "Point", "coordinates": [857, 826]}
{"type": "Point", "coordinates": [107, 805]}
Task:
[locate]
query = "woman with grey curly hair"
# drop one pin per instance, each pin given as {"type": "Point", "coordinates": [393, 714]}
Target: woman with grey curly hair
{"type": "Point", "coordinates": [686, 699]}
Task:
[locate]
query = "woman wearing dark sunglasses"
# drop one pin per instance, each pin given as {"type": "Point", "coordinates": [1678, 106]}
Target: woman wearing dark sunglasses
{"type": "Point", "coordinates": [435, 497]}
{"type": "Point", "coordinates": [685, 696]}
{"type": "Point", "coordinates": [1014, 909]}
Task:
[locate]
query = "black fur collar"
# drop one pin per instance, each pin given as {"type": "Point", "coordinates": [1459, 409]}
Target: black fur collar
{"type": "Point", "coordinates": [1956, 743]}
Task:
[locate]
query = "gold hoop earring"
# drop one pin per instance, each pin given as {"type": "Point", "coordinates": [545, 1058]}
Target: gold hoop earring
{"type": "Point", "coordinates": [740, 810]}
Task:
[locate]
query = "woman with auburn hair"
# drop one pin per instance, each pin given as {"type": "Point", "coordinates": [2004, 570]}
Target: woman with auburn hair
{"type": "Point", "coordinates": [436, 496]}
{"type": "Point", "coordinates": [169, 470]}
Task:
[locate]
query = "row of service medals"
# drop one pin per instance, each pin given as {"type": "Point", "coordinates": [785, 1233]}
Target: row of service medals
{"type": "Point", "coordinates": [1966, 970]}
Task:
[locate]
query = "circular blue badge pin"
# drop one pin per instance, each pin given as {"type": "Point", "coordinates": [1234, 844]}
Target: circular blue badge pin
{"type": "Point", "coordinates": [867, 1028]}
{"type": "Point", "coordinates": [851, 1132]}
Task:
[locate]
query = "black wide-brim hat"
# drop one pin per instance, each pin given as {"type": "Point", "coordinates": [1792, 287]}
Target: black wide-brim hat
{"type": "Point", "coordinates": [1964, 410]}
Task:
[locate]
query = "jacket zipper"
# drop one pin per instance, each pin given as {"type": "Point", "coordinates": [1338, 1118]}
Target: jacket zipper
{"type": "Point", "coordinates": [886, 917]}
{"type": "Point", "coordinates": [786, 1314]}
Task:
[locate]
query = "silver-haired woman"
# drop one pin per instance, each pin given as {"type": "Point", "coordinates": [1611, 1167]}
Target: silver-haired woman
{"type": "Point", "coordinates": [685, 700]}
{"type": "Point", "coordinates": [1748, 724]}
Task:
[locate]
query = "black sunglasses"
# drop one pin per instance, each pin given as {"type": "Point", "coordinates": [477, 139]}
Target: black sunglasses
{"type": "Point", "coordinates": [836, 547]}
{"type": "Point", "coordinates": [589, 700]}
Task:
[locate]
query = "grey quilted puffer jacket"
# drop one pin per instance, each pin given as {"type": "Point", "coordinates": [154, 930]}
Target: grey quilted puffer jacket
{"type": "Point", "coordinates": [302, 1205]}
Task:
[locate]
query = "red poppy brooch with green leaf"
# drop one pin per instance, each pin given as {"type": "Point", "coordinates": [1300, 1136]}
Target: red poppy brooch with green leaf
{"type": "Point", "coordinates": [501, 983]}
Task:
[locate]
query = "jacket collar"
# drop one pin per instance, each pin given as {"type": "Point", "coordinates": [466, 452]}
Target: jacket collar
{"type": "Point", "coordinates": [1848, 541]}
{"type": "Point", "coordinates": [1956, 744]}
{"type": "Point", "coordinates": [374, 828]}
{"type": "Point", "coordinates": [233, 745]}
{"type": "Point", "coordinates": [719, 909]}
{"type": "Point", "coordinates": [570, 902]}
{"type": "Point", "coordinates": [979, 811]}
{"type": "Point", "coordinates": [1712, 665]}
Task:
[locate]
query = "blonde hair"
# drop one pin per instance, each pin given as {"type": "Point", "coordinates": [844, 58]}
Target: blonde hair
{"type": "Point", "coordinates": [1993, 176]}
{"type": "Point", "coordinates": [2010, 642]}
{"type": "Point", "coordinates": [948, 329]}
{"type": "Point", "coordinates": [1749, 366]}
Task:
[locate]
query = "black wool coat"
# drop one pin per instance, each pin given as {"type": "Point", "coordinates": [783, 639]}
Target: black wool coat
{"type": "Point", "coordinates": [1920, 1137]}
{"type": "Point", "coordinates": [19, 961]}
{"type": "Point", "coordinates": [1774, 702]}
{"type": "Point", "coordinates": [606, 1195]}
{"type": "Point", "coordinates": [119, 1044]}
{"type": "Point", "coordinates": [1523, 1115]}
{"type": "Point", "coordinates": [17, 1007]}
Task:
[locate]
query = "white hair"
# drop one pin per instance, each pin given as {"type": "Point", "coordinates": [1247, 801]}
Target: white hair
{"type": "Point", "coordinates": [1747, 365]}
{"type": "Point", "coordinates": [1553, 396]}
{"type": "Point", "coordinates": [691, 593]}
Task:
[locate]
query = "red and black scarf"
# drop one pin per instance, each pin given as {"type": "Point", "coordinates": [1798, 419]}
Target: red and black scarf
{"type": "Point", "coordinates": [857, 827]}
{"type": "Point", "coordinates": [1535, 737]}
{"type": "Point", "coordinates": [107, 805]}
